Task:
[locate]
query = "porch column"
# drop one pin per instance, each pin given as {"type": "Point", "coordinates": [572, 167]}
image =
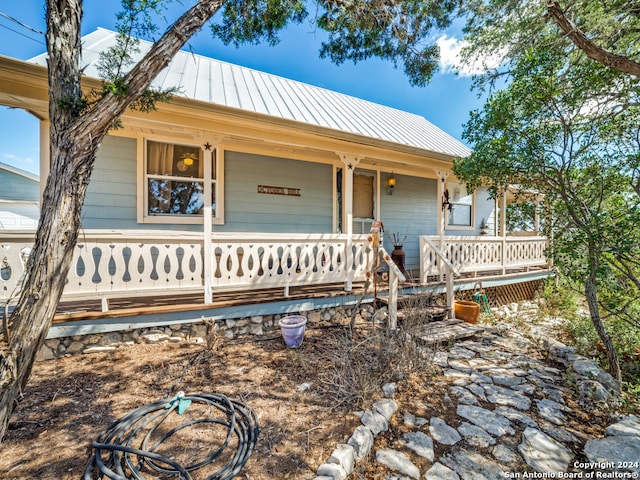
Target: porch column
{"type": "Point", "coordinates": [503, 229]}
{"type": "Point", "coordinates": [207, 224]}
{"type": "Point", "coordinates": [536, 218]}
{"type": "Point", "coordinates": [350, 162]}
{"type": "Point", "coordinates": [45, 154]}
{"type": "Point", "coordinates": [442, 219]}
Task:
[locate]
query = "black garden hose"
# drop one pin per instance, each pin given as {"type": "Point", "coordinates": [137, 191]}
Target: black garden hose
{"type": "Point", "coordinates": [126, 449]}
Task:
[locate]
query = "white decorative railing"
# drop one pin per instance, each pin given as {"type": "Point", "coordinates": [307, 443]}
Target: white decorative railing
{"type": "Point", "coordinates": [437, 258]}
{"type": "Point", "coordinates": [277, 260]}
{"type": "Point", "coordinates": [478, 254]}
{"type": "Point", "coordinates": [131, 263]}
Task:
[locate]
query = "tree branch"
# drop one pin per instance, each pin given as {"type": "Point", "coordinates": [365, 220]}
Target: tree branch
{"type": "Point", "coordinates": [612, 60]}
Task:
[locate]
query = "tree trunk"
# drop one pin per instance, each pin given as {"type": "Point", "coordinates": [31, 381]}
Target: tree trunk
{"type": "Point", "coordinates": [75, 137]}
{"type": "Point", "coordinates": [591, 294]}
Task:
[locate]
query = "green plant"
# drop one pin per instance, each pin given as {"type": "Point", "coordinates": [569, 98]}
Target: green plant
{"type": "Point", "coordinates": [559, 299]}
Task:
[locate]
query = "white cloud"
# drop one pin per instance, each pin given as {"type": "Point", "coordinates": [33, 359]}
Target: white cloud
{"type": "Point", "coordinates": [24, 163]}
{"type": "Point", "coordinates": [451, 60]}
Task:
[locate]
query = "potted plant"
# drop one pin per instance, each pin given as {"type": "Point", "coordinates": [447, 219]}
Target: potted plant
{"type": "Point", "coordinates": [398, 255]}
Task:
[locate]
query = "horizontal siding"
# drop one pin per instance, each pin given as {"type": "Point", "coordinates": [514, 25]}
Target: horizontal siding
{"type": "Point", "coordinates": [111, 195]}
{"type": "Point", "coordinates": [411, 211]}
{"type": "Point", "coordinates": [19, 188]}
{"type": "Point", "coordinates": [247, 210]}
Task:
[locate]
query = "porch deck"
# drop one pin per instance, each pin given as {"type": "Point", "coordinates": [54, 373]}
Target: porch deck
{"type": "Point", "coordinates": [126, 280]}
{"type": "Point", "coordinates": [92, 309]}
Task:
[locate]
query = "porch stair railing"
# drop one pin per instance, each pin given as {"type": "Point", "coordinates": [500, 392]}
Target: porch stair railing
{"type": "Point", "coordinates": [438, 263]}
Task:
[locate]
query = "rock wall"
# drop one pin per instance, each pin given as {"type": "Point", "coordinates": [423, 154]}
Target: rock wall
{"type": "Point", "coordinates": [194, 332]}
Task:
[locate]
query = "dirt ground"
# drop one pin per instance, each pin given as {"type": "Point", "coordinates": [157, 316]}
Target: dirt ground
{"type": "Point", "coordinates": [70, 400]}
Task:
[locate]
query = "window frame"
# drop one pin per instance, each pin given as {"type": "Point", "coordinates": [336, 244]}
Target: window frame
{"type": "Point", "coordinates": [450, 186]}
{"type": "Point", "coordinates": [217, 155]}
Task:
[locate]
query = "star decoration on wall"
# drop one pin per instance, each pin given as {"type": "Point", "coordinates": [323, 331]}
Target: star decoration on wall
{"type": "Point", "coordinates": [207, 146]}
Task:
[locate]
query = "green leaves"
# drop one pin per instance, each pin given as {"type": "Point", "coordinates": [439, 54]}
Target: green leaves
{"type": "Point", "coordinates": [400, 31]}
{"type": "Point", "coordinates": [254, 21]}
{"type": "Point", "coordinates": [569, 128]}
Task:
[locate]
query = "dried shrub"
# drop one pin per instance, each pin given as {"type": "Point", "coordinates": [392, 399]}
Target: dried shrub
{"type": "Point", "coordinates": [370, 354]}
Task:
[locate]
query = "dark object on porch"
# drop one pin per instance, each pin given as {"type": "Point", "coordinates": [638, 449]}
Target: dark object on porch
{"type": "Point", "coordinates": [129, 446]}
{"type": "Point", "coordinates": [398, 255]}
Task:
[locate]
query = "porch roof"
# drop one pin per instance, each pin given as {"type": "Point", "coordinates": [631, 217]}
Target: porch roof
{"type": "Point", "coordinates": [221, 83]}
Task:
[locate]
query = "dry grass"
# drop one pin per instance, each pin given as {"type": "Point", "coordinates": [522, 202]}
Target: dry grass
{"type": "Point", "coordinates": [70, 400]}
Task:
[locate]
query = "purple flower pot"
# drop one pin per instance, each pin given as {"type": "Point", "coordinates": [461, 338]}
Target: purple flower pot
{"type": "Point", "coordinates": [292, 328]}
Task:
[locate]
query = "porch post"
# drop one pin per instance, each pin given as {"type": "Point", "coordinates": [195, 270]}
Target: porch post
{"type": "Point", "coordinates": [207, 223]}
{"type": "Point", "coordinates": [350, 162]}
{"type": "Point", "coordinates": [536, 218]}
{"type": "Point", "coordinates": [503, 230]}
{"type": "Point", "coordinates": [442, 221]}
{"type": "Point", "coordinates": [393, 299]}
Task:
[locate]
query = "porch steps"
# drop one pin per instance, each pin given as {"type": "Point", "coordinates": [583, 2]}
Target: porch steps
{"type": "Point", "coordinates": [446, 331]}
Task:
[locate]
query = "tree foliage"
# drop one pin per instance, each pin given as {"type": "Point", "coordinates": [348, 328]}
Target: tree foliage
{"type": "Point", "coordinates": [606, 31]}
{"type": "Point", "coordinates": [569, 128]}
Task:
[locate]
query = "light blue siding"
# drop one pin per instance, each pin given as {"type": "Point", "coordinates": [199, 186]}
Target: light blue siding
{"type": "Point", "coordinates": [411, 211]}
{"type": "Point", "coordinates": [111, 195]}
{"type": "Point", "coordinates": [24, 214]}
{"type": "Point", "coordinates": [18, 188]}
{"type": "Point", "coordinates": [246, 210]}
{"type": "Point", "coordinates": [484, 210]}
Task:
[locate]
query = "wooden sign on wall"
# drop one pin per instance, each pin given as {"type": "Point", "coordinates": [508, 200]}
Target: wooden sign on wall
{"type": "Point", "coordinates": [271, 190]}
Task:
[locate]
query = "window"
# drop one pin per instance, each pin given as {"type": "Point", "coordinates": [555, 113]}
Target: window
{"type": "Point", "coordinates": [459, 213]}
{"type": "Point", "coordinates": [174, 181]}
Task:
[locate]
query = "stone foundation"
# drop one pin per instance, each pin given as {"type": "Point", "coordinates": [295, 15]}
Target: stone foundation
{"type": "Point", "coordinates": [194, 332]}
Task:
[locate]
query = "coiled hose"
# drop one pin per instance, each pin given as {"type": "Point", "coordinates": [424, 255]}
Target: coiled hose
{"type": "Point", "coordinates": [128, 447]}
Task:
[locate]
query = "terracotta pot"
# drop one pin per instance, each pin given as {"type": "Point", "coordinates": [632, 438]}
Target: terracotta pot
{"type": "Point", "coordinates": [466, 310]}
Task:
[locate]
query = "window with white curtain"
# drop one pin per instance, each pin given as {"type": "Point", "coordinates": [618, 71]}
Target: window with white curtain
{"type": "Point", "coordinates": [174, 180]}
{"type": "Point", "coordinates": [460, 211]}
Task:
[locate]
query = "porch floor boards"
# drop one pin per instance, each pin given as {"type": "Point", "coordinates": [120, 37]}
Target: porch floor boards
{"type": "Point", "coordinates": [122, 307]}
{"type": "Point", "coordinates": [91, 309]}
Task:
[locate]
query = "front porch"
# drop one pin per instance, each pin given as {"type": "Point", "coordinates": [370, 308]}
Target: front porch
{"type": "Point", "coordinates": [133, 279]}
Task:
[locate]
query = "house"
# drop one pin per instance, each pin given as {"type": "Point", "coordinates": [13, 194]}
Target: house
{"type": "Point", "coordinates": [247, 181]}
{"type": "Point", "coordinates": [19, 199]}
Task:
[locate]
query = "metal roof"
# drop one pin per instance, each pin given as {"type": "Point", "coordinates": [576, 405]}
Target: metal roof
{"type": "Point", "coordinates": [221, 83]}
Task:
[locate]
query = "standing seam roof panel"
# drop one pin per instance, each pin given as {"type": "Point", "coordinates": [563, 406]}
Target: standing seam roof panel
{"type": "Point", "coordinates": [244, 88]}
{"type": "Point", "coordinates": [271, 106]}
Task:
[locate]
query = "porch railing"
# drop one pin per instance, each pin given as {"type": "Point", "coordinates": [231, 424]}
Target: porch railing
{"type": "Point", "coordinates": [481, 254]}
{"type": "Point", "coordinates": [130, 263]}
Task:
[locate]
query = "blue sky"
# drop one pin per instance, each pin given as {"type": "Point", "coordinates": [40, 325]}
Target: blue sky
{"type": "Point", "coordinates": [446, 102]}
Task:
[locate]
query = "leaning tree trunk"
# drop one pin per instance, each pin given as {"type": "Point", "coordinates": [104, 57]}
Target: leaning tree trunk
{"type": "Point", "coordinates": [591, 294]}
{"type": "Point", "coordinates": [75, 137]}
{"type": "Point", "coordinates": [60, 212]}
